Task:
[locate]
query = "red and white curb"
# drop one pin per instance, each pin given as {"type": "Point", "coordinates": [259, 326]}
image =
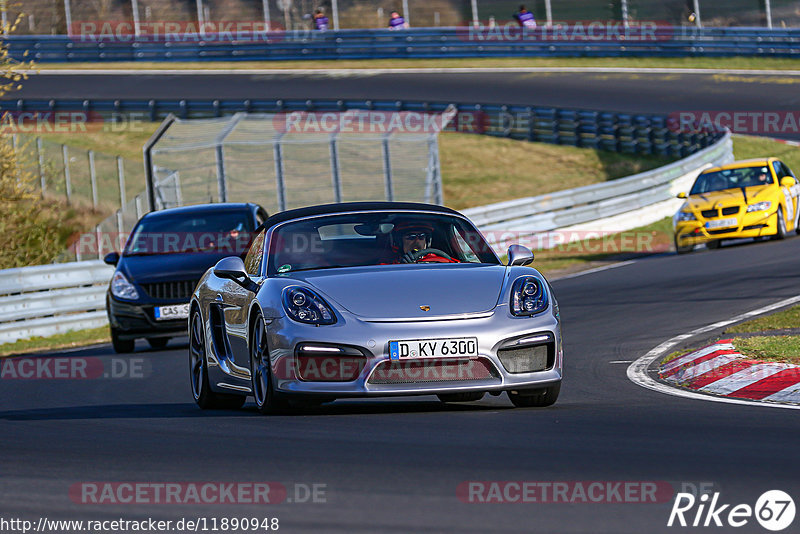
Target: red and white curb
{"type": "Point", "coordinates": [638, 371]}
{"type": "Point", "coordinates": [720, 369]}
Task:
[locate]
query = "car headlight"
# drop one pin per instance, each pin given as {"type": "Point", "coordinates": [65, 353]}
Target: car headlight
{"type": "Point", "coordinates": [759, 206]}
{"type": "Point", "coordinates": [305, 306]}
{"type": "Point", "coordinates": [686, 216]}
{"type": "Point", "coordinates": [528, 296]}
{"type": "Point", "coordinates": [121, 288]}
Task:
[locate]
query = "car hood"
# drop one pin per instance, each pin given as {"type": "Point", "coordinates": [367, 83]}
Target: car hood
{"type": "Point", "coordinates": [399, 291]}
{"type": "Point", "coordinates": [728, 197]}
{"type": "Point", "coordinates": [168, 267]}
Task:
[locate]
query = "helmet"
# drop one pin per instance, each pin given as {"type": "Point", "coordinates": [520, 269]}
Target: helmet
{"type": "Point", "coordinates": [405, 227]}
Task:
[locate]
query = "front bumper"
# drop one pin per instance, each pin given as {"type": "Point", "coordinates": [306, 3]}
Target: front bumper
{"type": "Point", "coordinates": [381, 376]}
{"type": "Point", "coordinates": [133, 320]}
{"type": "Point", "coordinates": [756, 224]}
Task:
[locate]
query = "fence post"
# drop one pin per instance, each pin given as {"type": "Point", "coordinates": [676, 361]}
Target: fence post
{"type": "Point", "coordinates": [98, 237]}
{"type": "Point", "coordinates": [278, 154]}
{"type": "Point", "coordinates": [387, 169]}
{"type": "Point", "coordinates": [93, 178]}
{"type": "Point", "coordinates": [120, 226]}
{"type": "Point", "coordinates": [40, 157]}
{"type": "Point", "coordinates": [335, 176]}
{"type": "Point", "coordinates": [221, 186]}
{"type": "Point", "coordinates": [67, 183]}
{"type": "Point", "coordinates": [139, 213]}
{"type": "Point", "coordinates": [121, 176]}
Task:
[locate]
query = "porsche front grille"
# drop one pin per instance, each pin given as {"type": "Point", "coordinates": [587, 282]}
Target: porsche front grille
{"type": "Point", "coordinates": [432, 370]}
{"type": "Point", "coordinates": [181, 289]}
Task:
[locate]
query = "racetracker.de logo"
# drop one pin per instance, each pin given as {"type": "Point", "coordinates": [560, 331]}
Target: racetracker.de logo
{"type": "Point", "coordinates": [585, 31]}
{"type": "Point", "coordinates": [775, 123]}
{"type": "Point", "coordinates": [177, 493]}
{"type": "Point", "coordinates": [73, 368]}
{"type": "Point", "coordinates": [379, 122]}
{"type": "Point", "coordinates": [555, 492]}
{"type": "Point", "coordinates": [175, 31]}
{"type": "Point", "coordinates": [43, 122]}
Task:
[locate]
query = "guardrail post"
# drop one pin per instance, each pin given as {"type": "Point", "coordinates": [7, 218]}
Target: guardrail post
{"type": "Point", "coordinates": [121, 176]}
{"type": "Point", "coordinates": [67, 184]}
{"type": "Point", "coordinates": [40, 158]}
{"type": "Point", "coordinates": [93, 178]}
{"type": "Point", "coordinates": [387, 169]}
{"type": "Point", "coordinates": [219, 155]}
{"type": "Point", "coordinates": [278, 155]}
{"type": "Point", "coordinates": [335, 176]}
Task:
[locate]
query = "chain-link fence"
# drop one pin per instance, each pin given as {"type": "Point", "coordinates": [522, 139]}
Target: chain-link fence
{"type": "Point", "coordinates": [295, 159]}
{"type": "Point", "coordinates": [52, 16]}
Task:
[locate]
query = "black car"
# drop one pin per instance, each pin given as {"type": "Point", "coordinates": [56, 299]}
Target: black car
{"type": "Point", "coordinates": [165, 256]}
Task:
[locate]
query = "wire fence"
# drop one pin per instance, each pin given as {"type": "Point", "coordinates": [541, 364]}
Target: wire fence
{"type": "Point", "coordinates": [296, 159]}
{"type": "Point", "coordinates": [52, 16]}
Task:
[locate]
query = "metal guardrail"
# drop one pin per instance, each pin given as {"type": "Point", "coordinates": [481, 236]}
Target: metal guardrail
{"type": "Point", "coordinates": [596, 201]}
{"type": "Point", "coordinates": [503, 41]}
{"type": "Point", "coordinates": [44, 300]}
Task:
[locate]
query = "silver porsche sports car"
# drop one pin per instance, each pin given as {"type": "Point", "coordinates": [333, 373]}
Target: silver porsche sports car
{"type": "Point", "coordinates": [372, 299]}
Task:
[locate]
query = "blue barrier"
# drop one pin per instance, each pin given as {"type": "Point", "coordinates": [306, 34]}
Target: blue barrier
{"type": "Point", "coordinates": [569, 41]}
{"type": "Point", "coordinates": [617, 132]}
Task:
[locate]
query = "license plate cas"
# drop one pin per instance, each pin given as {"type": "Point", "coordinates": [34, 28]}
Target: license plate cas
{"type": "Point", "coordinates": [722, 223]}
{"type": "Point", "coordinates": [176, 311]}
{"type": "Point", "coordinates": [433, 348]}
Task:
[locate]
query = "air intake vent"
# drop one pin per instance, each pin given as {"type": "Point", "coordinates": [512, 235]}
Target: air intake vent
{"type": "Point", "coordinates": [181, 289]}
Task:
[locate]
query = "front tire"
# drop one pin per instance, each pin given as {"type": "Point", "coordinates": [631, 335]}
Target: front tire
{"type": "Point", "coordinates": [121, 346]}
{"type": "Point", "coordinates": [158, 343]}
{"type": "Point", "coordinates": [535, 397]}
{"type": "Point", "coordinates": [781, 232]}
{"type": "Point", "coordinates": [198, 372]}
{"type": "Point", "coordinates": [267, 401]}
{"type": "Point", "coordinates": [683, 250]}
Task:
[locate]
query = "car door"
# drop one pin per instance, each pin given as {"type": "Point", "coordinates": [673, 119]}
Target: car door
{"type": "Point", "coordinates": [792, 194]}
{"type": "Point", "coordinates": [237, 303]}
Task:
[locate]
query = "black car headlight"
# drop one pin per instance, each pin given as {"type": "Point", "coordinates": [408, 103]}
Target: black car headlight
{"type": "Point", "coordinates": [305, 306]}
{"type": "Point", "coordinates": [122, 288]}
{"type": "Point", "coordinates": [528, 296]}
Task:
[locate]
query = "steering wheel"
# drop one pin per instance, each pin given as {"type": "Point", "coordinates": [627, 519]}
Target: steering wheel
{"type": "Point", "coordinates": [415, 256]}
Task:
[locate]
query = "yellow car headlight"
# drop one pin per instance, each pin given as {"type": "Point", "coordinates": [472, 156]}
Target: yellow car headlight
{"type": "Point", "coordinates": [759, 206]}
{"type": "Point", "coordinates": [686, 216]}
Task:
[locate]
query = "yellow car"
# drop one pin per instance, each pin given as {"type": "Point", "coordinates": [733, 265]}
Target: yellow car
{"type": "Point", "coordinates": [752, 198]}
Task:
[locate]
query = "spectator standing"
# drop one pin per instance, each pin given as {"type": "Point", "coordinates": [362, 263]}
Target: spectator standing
{"type": "Point", "coordinates": [396, 22]}
{"type": "Point", "coordinates": [525, 18]}
{"type": "Point", "coordinates": [320, 20]}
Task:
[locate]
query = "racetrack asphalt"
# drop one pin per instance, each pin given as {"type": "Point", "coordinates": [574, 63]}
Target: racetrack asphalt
{"type": "Point", "coordinates": [394, 465]}
{"type": "Point", "coordinates": [625, 92]}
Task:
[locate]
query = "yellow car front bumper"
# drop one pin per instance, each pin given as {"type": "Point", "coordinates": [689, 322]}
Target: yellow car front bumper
{"type": "Point", "coordinates": [756, 224]}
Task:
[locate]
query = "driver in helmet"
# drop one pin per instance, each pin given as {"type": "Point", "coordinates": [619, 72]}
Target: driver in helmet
{"type": "Point", "coordinates": [413, 244]}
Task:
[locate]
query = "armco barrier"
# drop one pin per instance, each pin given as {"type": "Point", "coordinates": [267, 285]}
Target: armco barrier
{"type": "Point", "coordinates": [76, 296]}
{"type": "Point", "coordinates": [49, 299]}
{"type": "Point", "coordinates": [504, 41]}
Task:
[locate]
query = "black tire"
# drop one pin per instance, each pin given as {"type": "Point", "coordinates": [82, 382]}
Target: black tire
{"type": "Point", "coordinates": [121, 346]}
{"type": "Point", "coordinates": [781, 233]}
{"type": "Point", "coordinates": [535, 397]}
{"type": "Point", "coordinates": [158, 343]}
{"type": "Point", "coordinates": [683, 250]}
{"type": "Point", "coordinates": [467, 396]}
{"type": "Point", "coordinates": [267, 401]}
{"type": "Point", "coordinates": [198, 372]}
{"type": "Point", "coordinates": [713, 245]}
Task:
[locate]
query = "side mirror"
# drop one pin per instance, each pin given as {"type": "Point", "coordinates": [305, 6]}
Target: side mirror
{"type": "Point", "coordinates": [519, 255]}
{"type": "Point", "coordinates": [112, 258]}
{"type": "Point", "coordinates": [682, 195]}
{"type": "Point", "coordinates": [788, 181]}
{"type": "Point", "coordinates": [232, 268]}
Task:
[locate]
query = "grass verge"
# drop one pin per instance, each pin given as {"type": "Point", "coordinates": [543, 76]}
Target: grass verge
{"type": "Point", "coordinates": [747, 146]}
{"type": "Point", "coordinates": [782, 349]}
{"type": "Point", "coordinates": [789, 318]}
{"type": "Point", "coordinates": [750, 63]}
{"type": "Point", "coordinates": [78, 338]}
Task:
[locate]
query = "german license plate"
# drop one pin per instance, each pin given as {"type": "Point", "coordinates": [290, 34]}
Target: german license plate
{"type": "Point", "coordinates": [177, 311]}
{"type": "Point", "coordinates": [722, 223]}
{"type": "Point", "coordinates": [433, 348]}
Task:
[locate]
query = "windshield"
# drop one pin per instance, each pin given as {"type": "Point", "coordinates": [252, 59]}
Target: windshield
{"type": "Point", "coordinates": [227, 231]}
{"type": "Point", "coordinates": [731, 179]}
{"type": "Point", "coordinates": [359, 239]}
